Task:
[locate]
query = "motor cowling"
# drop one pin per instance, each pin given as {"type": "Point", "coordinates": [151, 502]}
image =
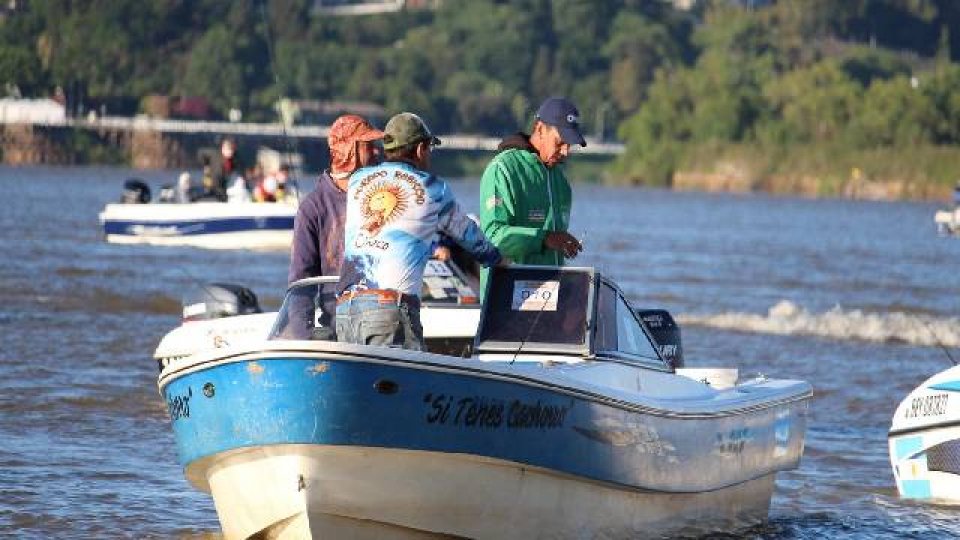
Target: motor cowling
{"type": "Point", "coordinates": [218, 300]}
{"type": "Point", "coordinates": [666, 333]}
{"type": "Point", "coordinates": [135, 191]}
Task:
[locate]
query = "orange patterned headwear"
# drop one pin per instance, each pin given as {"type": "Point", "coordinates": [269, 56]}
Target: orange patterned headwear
{"type": "Point", "coordinates": [344, 135]}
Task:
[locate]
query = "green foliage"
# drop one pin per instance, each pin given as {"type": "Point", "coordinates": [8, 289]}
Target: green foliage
{"type": "Point", "coordinates": [814, 104]}
{"type": "Point", "coordinates": [865, 64]}
{"type": "Point", "coordinates": [214, 71]}
{"type": "Point", "coordinates": [806, 83]}
{"type": "Point", "coordinates": [20, 68]}
{"type": "Point", "coordinates": [637, 47]}
{"type": "Point", "coordinates": [942, 88]}
{"type": "Point", "coordinates": [787, 81]}
{"type": "Point", "coordinates": [474, 65]}
{"type": "Point", "coordinates": [894, 113]}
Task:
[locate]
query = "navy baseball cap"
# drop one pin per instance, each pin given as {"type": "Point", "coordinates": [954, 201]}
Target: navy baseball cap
{"type": "Point", "coordinates": [562, 114]}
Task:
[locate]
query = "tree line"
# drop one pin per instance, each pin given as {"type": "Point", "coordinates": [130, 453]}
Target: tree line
{"type": "Point", "coordinates": [680, 87]}
{"type": "Point", "coordinates": [808, 88]}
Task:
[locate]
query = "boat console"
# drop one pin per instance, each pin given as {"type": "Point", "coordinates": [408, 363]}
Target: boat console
{"type": "Point", "coordinates": [573, 312]}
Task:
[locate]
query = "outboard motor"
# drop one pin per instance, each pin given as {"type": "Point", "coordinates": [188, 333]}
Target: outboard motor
{"type": "Point", "coordinates": [666, 334]}
{"type": "Point", "coordinates": [217, 300]}
{"type": "Point", "coordinates": [135, 191]}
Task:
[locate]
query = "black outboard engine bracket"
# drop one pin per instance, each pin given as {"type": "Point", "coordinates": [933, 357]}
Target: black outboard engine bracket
{"type": "Point", "coordinates": [666, 334]}
{"type": "Point", "coordinates": [218, 300]}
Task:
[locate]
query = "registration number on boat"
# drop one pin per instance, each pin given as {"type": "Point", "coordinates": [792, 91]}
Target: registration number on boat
{"type": "Point", "coordinates": [933, 405]}
{"type": "Point", "coordinates": [535, 295]}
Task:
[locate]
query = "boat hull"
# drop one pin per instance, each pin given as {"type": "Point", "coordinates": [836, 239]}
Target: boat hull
{"type": "Point", "coordinates": [207, 225]}
{"type": "Point", "coordinates": [324, 491]}
{"type": "Point", "coordinates": [948, 221]}
{"type": "Point", "coordinates": [924, 440]}
{"type": "Point", "coordinates": [415, 444]}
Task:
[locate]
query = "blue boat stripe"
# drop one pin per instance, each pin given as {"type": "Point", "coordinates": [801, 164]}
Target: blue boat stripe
{"type": "Point", "coordinates": [951, 386]}
{"type": "Point", "coordinates": [924, 427]}
{"type": "Point", "coordinates": [321, 401]}
{"type": "Point", "coordinates": [168, 377]}
{"type": "Point", "coordinates": [198, 227]}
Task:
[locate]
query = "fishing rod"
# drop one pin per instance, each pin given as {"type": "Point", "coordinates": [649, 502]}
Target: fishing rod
{"type": "Point", "coordinates": [939, 343]}
{"type": "Point", "coordinates": [268, 37]}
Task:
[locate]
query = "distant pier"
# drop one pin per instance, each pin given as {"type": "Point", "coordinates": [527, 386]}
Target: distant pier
{"type": "Point", "coordinates": [155, 143]}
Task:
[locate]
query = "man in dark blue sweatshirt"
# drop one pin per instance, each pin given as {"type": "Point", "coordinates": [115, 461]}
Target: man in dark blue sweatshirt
{"type": "Point", "coordinates": [318, 228]}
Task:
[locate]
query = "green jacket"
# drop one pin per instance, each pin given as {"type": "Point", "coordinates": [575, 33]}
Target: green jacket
{"type": "Point", "coordinates": [520, 201]}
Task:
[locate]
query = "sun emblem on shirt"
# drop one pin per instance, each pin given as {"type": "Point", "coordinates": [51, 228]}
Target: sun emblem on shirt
{"type": "Point", "coordinates": [382, 204]}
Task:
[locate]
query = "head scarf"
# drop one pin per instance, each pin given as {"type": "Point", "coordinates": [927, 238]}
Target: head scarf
{"type": "Point", "coordinates": [344, 135]}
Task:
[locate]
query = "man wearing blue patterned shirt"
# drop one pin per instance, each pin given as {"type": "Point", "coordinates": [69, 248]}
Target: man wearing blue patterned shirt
{"type": "Point", "coordinates": [394, 212]}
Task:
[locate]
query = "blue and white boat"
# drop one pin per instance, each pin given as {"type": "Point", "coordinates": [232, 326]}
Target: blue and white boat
{"type": "Point", "coordinates": [924, 440]}
{"type": "Point", "coordinates": [565, 422]}
{"type": "Point", "coordinates": [217, 225]}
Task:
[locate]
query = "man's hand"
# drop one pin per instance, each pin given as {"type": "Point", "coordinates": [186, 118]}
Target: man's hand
{"type": "Point", "coordinates": [563, 242]}
{"type": "Point", "coordinates": [441, 253]}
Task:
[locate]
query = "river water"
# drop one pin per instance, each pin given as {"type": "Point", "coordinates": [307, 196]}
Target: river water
{"type": "Point", "coordinates": [853, 297]}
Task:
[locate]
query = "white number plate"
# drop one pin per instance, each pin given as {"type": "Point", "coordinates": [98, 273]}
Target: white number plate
{"type": "Point", "coordinates": [535, 295]}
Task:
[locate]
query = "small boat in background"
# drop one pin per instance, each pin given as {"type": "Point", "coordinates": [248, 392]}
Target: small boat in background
{"type": "Point", "coordinates": [924, 440]}
{"type": "Point", "coordinates": [948, 221]}
{"type": "Point", "coordinates": [206, 224]}
{"type": "Point", "coordinates": [564, 422]}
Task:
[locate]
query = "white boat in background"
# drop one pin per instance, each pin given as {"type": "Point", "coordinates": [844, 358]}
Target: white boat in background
{"type": "Point", "coordinates": [948, 221]}
{"type": "Point", "coordinates": [924, 440]}
{"type": "Point", "coordinates": [173, 221]}
{"type": "Point", "coordinates": [216, 225]}
{"type": "Point", "coordinates": [564, 422]}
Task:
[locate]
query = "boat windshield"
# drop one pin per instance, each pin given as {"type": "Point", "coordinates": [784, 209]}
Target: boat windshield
{"type": "Point", "coordinates": [308, 310]}
{"type": "Point", "coordinates": [619, 331]}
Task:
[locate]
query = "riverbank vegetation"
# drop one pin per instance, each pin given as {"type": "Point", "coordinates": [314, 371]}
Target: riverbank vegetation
{"type": "Point", "coordinates": [821, 97]}
{"type": "Point", "coordinates": [806, 100]}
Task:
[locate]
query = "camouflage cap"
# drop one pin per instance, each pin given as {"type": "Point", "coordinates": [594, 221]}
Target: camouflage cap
{"type": "Point", "coordinates": [406, 128]}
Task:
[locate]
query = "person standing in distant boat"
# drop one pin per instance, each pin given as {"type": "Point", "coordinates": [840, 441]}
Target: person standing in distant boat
{"type": "Point", "coordinates": [184, 188]}
{"type": "Point", "coordinates": [271, 187]}
{"type": "Point", "coordinates": [525, 198]}
{"type": "Point", "coordinates": [318, 227]}
{"type": "Point", "coordinates": [224, 170]}
{"type": "Point", "coordinates": [394, 214]}
{"type": "Point", "coordinates": [956, 196]}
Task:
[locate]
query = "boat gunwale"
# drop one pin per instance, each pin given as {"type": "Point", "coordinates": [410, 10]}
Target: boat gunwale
{"type": "Point", "coordinates": [925, 427]}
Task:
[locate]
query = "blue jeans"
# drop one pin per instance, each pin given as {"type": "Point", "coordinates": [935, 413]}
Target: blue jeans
{"type": "Point", "coordinates": [367, 320]}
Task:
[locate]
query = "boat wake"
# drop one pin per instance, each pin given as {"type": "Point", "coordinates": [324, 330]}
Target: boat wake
{"type": "Point", "coordinates": [787, 318]}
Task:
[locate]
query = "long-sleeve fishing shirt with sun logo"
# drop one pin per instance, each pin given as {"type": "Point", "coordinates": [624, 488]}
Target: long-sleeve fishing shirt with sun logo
{"type": "Point", "coordinates": [394, 212]}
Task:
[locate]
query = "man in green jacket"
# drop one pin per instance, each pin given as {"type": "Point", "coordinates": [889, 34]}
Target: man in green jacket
{"type": "Point", "coordinates": [525, 198]}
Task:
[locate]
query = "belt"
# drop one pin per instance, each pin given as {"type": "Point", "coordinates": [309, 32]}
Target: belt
{"type": "Point", "coordinates": [385, 296]}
